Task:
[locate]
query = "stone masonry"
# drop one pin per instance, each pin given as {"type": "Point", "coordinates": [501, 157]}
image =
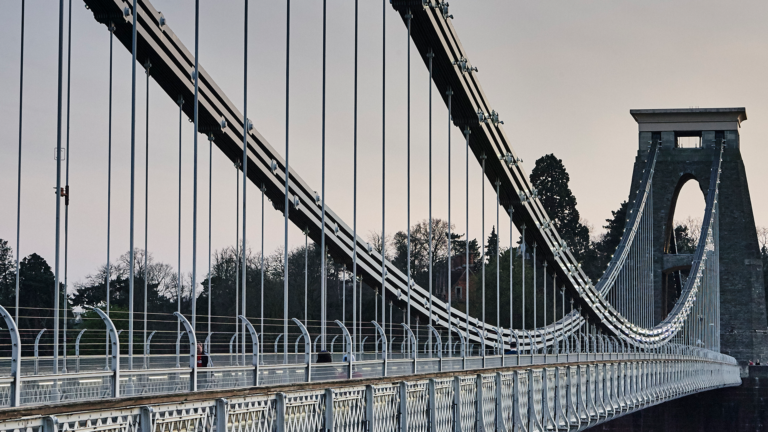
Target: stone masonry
{"type": "Point", "coordinates": [743, 327]}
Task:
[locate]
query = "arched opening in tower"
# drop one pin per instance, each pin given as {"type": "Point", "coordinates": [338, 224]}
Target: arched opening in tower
{"type": "Point", "coordinates": [682, 232]}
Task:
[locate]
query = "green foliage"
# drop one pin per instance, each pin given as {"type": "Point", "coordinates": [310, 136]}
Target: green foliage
{"type": "Point", "coordinates": [602, 250]}
{"type": "Point", "coordinates": [686, 243]}
{"type": "Point", "coordinates": [551, 180]}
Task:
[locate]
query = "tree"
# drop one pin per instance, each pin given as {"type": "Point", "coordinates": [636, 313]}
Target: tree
{"type": "Point", "coordinates": [492, 245]}
{"type": "Point", "coordinates": [7, 274]}
{"type": "Point", "coordinates": [550, 179]}
{"type": "Point", "coordinates": [601, 251]}
{"type": "Point", "coordinates": [684, 240]}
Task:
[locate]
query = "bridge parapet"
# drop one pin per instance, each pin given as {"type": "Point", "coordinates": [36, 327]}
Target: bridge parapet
{"type": "Point", "coordinates": [564, 396]}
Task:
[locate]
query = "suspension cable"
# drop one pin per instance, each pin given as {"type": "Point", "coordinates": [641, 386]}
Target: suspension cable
{"type": "Point", "coordinates": [133, 173]}
{"type": "Point", "coordinates": [261, 299]}
{"type": "Point", "coordinates": [449, 279]}
{"type": "Point", "coordinates": [237, 257]}
{"type": "Point", "coordinates": [210, 199]}
{"type": "Point", "coordinates": [511, 273]}
{"type": "Point", "coordinates": [430, 56]}
{"type": "Point", "coordinates": [178, 264]}
{"type": "Point", "coordinates": [466, 244]}
{"type": "Point", "coordinates": [58, 193]}
{"type": "Point", "coordinates": [194, 176]}
{"type": "Point", "coordinates": [354, 212]}
{"type": "Point", "coordinates": [18, 190]}
{"type": "Point", "coordinates": [383, 168]}
{"type": "Point", "coordinates": [66, 184]}
{"type": "Point", "coordinates": [147, 66]}
{"type": "Point", "coordinates": [244, 164]}
{"type": "Point", "coordinates": [498, 280]}
{"type": "Point", "coordinates": [482, 240]}
{"type": "Point", "coordinates": [285, 229]}
{"type": "Point", "coordinates": [323, 281]}
{"type": "Point", "coordinates": [522, 279]}
{"type": "Point", "coordinates": [408, 17]}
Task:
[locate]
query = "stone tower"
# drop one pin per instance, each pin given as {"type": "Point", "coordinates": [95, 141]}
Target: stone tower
{"type": "Point", "coordinates": [688, 138]}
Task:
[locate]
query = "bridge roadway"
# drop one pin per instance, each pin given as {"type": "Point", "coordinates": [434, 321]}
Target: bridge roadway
{"type": "Point", "coordinates": [543, 392]}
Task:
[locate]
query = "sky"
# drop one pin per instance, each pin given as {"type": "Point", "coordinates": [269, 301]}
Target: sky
{"type": "Point", "coordinates": [562, 74]}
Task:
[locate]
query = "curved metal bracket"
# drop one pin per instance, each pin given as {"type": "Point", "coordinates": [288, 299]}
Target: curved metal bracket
{"type": "Point", "coordinates": [37, 342]}
{"type": "Point", "coordinates": [113, 337]}
{"type": "Point", "coordinates": [412, 338]}
{"type": "Point", "coordinates": [462, 340]}
{"type": "Point", "coordinates": [15, 356]}
{"type": "Point", "coordinates": [333, 342]}
{"type": "Point", "coordinates": [192, 342]}
{"type": "Point", "coordinates": [439, 342]}
{"type": "Point", "coordinates": [314, 344]}
{"type": "Point", "coordinates": [383, 338]}
{"type": "Point", "coordinates": [254, 339]}
{"type": "Point", "coordinates": [207, 344]}
{"type": "Point", "coordinates": [77, 342]}
{"type": "Point", "coordinates": [178, 347]}
{"type": "Point", "coordinates": [362, 344]}
{"type": "Point", "coordinates": [481, 335]}
{"type": "Point", "coordinates": [500, 339]}
{"type": "Point", "coordinates": [149, 339]}
{"type": "Point", "coordinates": [305, 334]}
{"type": "Point", "coordinates": [277, 341]}
{"type": "Point", "coordinates": [530, 339]}
{"type": "Point", "coordinates": [512, 333]}
{"type": "Point", "coordinates": [347, 337]}
{"type": "Point", "coordinates": [296, 345]}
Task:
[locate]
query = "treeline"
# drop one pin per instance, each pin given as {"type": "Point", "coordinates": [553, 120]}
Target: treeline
{"type": "Point", "coordinates": [167, 291]}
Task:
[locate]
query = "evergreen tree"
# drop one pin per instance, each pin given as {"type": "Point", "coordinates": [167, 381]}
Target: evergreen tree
{"type": "Point", "coordinates": [600, 254]}
{"type": "Point", "coordinates": [551, 180]}
{"type": "Point", "coordinates": [7, 275]}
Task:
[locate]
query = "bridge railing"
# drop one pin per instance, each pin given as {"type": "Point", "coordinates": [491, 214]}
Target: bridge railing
{"type": "Point", "coordinates": [537, 397]}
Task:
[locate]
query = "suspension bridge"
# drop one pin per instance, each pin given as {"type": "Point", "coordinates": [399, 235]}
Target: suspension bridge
{"type": "Point", "coordinates": [605, 348]}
